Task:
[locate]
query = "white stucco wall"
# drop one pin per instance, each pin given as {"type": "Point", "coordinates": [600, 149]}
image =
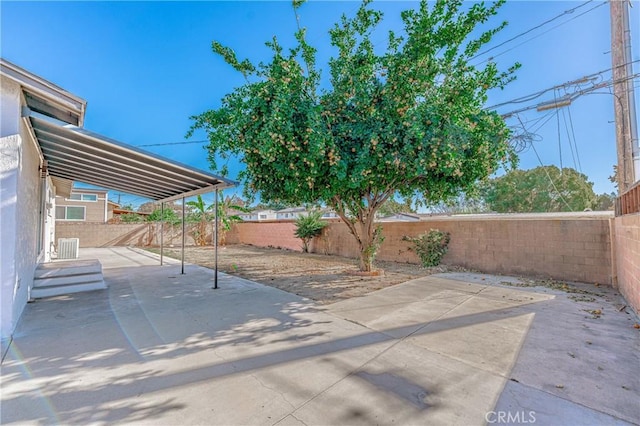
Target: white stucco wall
{"type": "Point", "coordinates": [20, 210]}
{"type": "Point", "coordinates": [10, 153]}
{"type": "Point", "coordinates": [10, 110]}
{"type": "Point", "coordinates": [9, 161]}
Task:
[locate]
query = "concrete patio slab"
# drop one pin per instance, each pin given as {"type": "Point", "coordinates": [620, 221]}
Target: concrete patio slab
{"type": "Point", "coordinates": [159, 347]}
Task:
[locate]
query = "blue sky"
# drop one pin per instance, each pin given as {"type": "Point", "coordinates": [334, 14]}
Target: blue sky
{"type": "Point", "coordinates": [145, 67]}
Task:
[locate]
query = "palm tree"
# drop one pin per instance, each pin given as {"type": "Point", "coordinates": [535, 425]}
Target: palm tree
{"type": "Point", "coordinates": [202, 214]}
{"type": "Point", "coordinates": [227, 208]}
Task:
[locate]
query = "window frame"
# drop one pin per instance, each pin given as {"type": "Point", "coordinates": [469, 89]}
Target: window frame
{"type": "Point", "coordinates": [82, 197]}
{"type": "Point", "coordinates": [65, 218]}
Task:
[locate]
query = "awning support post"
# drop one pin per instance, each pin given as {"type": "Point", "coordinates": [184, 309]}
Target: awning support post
{"type": "Point", "coordinates": [215, 245]}
{"type": "Point", "coordinates": [183, 236]}
{"type": "Point", "coordinates": [161, 233]}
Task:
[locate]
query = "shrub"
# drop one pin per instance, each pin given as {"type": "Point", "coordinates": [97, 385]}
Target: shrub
{"type": "Point", "coordinates": [430, 247]}
{"type": "Point", "coordinates": [309, 226]}
{"type": "Point", "coordinates": [131, 218]}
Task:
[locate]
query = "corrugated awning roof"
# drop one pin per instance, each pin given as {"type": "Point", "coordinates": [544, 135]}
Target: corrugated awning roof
{"type": "Point", "coordinates": [76, 154]}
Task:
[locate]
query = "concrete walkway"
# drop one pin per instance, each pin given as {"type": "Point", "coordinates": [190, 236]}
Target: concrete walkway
{"type": "Point", "coordinates": [159, 347]}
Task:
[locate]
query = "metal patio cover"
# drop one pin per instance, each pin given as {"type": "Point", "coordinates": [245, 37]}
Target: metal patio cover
{"type": "Point", "coordinates": [74, 153]}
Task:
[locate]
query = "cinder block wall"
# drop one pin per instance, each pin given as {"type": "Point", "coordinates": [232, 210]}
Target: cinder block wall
{"type": "Point", "coordinates": [572, 249]}
{"type": "Point", "coordinates": [627, 255]}
{"type": "Point", "coordinates": [565, 249]}
{"type": "Point", "coordinates": [134, 234]}
{"type": "Point", "coordinates": [278, 234]}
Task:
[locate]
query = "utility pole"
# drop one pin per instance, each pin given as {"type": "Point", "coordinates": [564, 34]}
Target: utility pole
{"type": "Point", "coordinates": [623, 93]}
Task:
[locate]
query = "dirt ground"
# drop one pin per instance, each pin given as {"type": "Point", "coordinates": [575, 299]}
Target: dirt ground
{"type": "Point", "coordinates": [325, 279]}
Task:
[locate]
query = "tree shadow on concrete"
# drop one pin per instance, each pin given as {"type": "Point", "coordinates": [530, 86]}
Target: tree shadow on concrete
{"type": "Point", "coordinates": [78, 399]}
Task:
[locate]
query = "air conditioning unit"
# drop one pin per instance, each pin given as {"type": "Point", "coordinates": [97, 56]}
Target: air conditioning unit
{"type": "Point", "coordinates": [68, 248]}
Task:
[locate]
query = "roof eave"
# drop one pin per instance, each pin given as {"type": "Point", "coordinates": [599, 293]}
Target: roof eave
{"type": "Point", "coordinates": [46, 97]}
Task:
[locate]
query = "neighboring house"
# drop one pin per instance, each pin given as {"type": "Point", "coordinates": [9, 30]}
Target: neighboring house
{"type": "Point", "coordinates": [258, 216]}
{"type": "Point", "coordinates": [266, 215]}
{"type": "Point", "coordinates": [400, 217]}
{"type": "Point", "coordinates": [329, 214]}
{"type": "Point", "coordinates": [285, 214]}
{"type": "Point", "coordinates": [43, 150]}
{"type": "Point", "coordinates": [248, 217]}
{"type": "Point", "coordinates": [291, 213]}
{"type": "Point", "coordinates": [84, 205]}
{"type": "Point", "coordinates": [111, 207]}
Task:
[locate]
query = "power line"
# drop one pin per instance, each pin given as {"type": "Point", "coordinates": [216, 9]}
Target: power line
{"type": "Point", "coordinates": [566, 12]}
{"type": "Point", "coordinates": [575, 142]}
{"type": "Point", "coordinates": [543, 33]}
{"type": "Point", "coordinates": [570, 97]}
{"type": "Point", "coordinates": [550, 179]}
{"type": "Point", "coordinates": [539, 93]}
{"type": "Point", "coordinates": [549, 117]}
{"type": "Point", "coordinates": [173, 143]}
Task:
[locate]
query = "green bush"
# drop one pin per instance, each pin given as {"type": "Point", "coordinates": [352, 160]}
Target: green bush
{"type": "Point", "coordinates": [170, 216]}
{"type": "Point", "coordinates": [430, 247]}
{"type": "Point", "coordinates": [131, 218]}
{"type": "Point", "coordinates": [309, 226]}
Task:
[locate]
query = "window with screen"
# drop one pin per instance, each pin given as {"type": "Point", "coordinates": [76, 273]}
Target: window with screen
{"type": "Point", "coordinates": [83, 197]}
{"type": "Point", "coordinates": [70, 213]}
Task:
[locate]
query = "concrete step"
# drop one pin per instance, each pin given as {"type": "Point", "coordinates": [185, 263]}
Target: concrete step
{"type": "Point", "coordinates": [58, 278]}
{"type": "Point", "coordinates": [40, 292]}
{"type": "Point", "coordinates": [67, 268]}
{"type": "Point", "coordinates": [61, 280]}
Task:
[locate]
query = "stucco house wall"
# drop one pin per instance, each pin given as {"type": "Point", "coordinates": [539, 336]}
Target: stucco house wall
{"type": "Point", "coordinates": [25, 202]}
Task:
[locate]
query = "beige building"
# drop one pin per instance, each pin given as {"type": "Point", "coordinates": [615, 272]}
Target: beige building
{"type": "Point", "coordinates": [84, 205]}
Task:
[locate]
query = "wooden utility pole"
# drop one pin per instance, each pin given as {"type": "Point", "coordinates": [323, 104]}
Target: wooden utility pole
{"type": "Point", "coordinates": [623, 92]}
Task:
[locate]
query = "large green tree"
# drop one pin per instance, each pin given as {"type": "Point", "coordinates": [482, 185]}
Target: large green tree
{"type": "Point", "coordinates": [406, 118]}
{"type": "Point", "coordinates": [543, 189]}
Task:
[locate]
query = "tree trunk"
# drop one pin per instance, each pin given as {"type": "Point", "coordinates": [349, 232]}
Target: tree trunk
{"type": "Point", "coordinates": [363, 230]}
{"type": "Point", "coordinates": [368, 243]}
{"type": "Point", "coordinates": [365, 260]}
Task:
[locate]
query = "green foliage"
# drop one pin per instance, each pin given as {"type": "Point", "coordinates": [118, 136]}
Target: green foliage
{"type": "Point", "coordinates": [391, 206]}
{"type": "Point", "coordinates": [170, 216]}
{"type": "Point", "coordinates": [202, 214]}
{"type": "Point", "coordinates": [227, 208]}
{"type": "Point", "coordinates": [543, 189]}
{"type": "Point", "coordinates": [198, 210]}
{"type": "Point", "coordinates": [614, 177]}
{"type": "Point", "coordinates": [131, 218]}
{"type": "Point", "coordinates": [309, 226]}
{"type": "Point", "coordinates": [369, 253]}
{"type": "Point", "coordinates": [273, 205]}
{"type": "Point", "coordinates": [462, 204]}
{"type": "Point", "coordinates": [430, 247]}
{"type": "Point", "coordinates": [605, 202]}
{"type": "Point", "coordinates": [408, 119]}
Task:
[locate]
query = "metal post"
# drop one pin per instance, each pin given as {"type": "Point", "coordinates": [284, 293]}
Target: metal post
{"type": "Point", "coordinates": [215, 245]}
{"type": "Point", "coordinates": [161, 233]}
{"type": "Point", "coordinates": [183, 236]}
